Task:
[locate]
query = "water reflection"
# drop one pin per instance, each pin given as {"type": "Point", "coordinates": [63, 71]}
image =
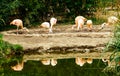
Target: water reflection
{"type": "Point", "coordinates": [45, 61]}
{"type": "Point", "coordinates": [62, 67]}
{"type": "Point", "coordinates": [53, 62]}
{"type": "Point", "coordinates": [107, 61]}
{"type": "Point", "coordinates": [18, 67]}
{"type": "Point", "coordinates": [82, 61]}
{"type": "Point", "coordinates": [89, 60]}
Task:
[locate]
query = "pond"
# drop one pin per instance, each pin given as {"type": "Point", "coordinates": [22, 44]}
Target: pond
{"type": "Point", "coordinates": [76, 66]}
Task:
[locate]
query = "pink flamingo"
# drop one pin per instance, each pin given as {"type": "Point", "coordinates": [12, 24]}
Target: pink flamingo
{"type": "Point", "coordinates": [18, 23]}
{"type": "Point", "coordinates": [48, 25]}
{"type": "Point", "coordinates": [79, 22]}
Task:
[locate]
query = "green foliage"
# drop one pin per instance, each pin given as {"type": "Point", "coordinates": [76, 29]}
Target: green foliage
{"type": "Point", "coordinates": [7, 48]}
{"type": "Point", "coordinates": [37, 11]}
{"type": "Point", "coordinates": [1, 36]}
{"type": "Point", "coordinates": [114, 45]}
{"type": "Point", "coordinates": [7, 7]}
{"type": "Point", "coordinates": [97, 21]}
{"type": "Point", "coordinates": [9, 53]}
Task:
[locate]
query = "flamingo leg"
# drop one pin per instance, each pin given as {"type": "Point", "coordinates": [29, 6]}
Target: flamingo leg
{"type": "Point", "coordinates": [17, 30]}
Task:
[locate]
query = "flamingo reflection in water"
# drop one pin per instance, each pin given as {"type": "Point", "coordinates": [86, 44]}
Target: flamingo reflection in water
{"type": "Point", "coordinates": [53, 62]}
{"type": "Point", "coordinates": [18, 67]}
{"type": "Point", "coordinates": [89, 60]}
{"type": "Point", "coordinates": [82, 61]}
{"type": "Point", "coordinates": [106, 61]}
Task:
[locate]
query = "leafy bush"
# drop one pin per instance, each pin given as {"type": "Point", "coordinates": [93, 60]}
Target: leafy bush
{"type": "Point", "coordinates": [9, 53]}
{"type": "Point", "coordinates": [114, 46]}
{"type": "Point", "coordinates": [37, 11]}
{"type": "Point", "coordinates": [7, 48]}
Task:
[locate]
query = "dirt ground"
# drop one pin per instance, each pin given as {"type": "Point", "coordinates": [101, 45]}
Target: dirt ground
{"type": "Point", "coordinates": [62, 39]}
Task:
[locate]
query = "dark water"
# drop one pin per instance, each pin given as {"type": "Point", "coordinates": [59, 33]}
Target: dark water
{"type": "Point", "coordinates": [64, 67]}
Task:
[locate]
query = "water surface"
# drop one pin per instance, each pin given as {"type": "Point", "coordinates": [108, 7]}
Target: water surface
{"type": "Point", "coordinates": [63, 67]}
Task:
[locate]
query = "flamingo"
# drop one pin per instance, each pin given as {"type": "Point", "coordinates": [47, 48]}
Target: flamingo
{"type": "Point", "coordinates": [50, 25]}
{"type": "Point", "coordinates": [89, 24]}
{"type": "Point", "coordinates": [79, 22]}
{"type": "Point", "coordinates": [18, 23]}
{"type": "Point", "coordinates": [110, 21]}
